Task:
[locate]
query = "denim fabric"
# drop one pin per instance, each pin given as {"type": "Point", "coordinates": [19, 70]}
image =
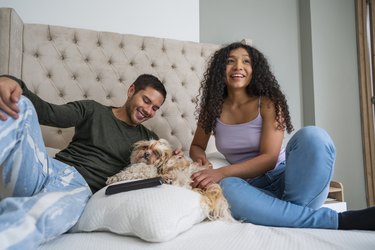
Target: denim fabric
{"type": "Point", "coordinates": [293, 193]}
{"type": "Point", "coordinates": [40, 197]}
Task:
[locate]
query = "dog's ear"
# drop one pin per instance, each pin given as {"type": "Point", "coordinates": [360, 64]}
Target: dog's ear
{"type": "Point", "coordinates": [161, 166]}
{"type": "Point", "coordinates": [167, 153]}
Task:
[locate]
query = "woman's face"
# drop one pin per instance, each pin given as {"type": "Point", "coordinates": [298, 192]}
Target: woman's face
{"type": "Point", "coordinates": [238, 70]}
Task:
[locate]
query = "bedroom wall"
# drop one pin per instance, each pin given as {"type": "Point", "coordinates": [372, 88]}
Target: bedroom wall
{"type": "Point", "coordinates": [311, 46]}
{"type": "Point", "coordinates": [336, 89]}
{"type": "Point", "coordinates": [161, 18]}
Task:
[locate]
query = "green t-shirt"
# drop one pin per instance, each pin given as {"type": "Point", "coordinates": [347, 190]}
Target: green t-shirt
{"type": "Point", "coordinates": [101, 144]}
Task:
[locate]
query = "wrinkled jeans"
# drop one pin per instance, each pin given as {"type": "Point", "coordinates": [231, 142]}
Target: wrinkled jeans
{"type": "Point", "coordinates": [292, 194]}
{"type": "Point", "coordinates": [40, 197]}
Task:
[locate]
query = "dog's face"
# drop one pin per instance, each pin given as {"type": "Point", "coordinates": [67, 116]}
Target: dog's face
{"type": "Point", "coordinates": [152, 152]}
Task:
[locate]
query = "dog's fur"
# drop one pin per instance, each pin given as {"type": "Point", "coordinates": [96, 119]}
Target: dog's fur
{"type": "Point", "coordinates": [155, 158]}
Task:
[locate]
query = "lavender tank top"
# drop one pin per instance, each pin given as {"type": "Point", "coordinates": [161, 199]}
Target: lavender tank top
{"type": "Point", "coordinates": [240, 142]}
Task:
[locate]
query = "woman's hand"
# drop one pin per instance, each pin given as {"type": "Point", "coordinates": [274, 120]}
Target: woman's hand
{"type": "Point", "coordinates": [203, 178]}
{"type": "Point", "coordinates": [203, 161]}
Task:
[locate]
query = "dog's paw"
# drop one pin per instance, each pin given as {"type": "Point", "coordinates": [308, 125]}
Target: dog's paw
{"type": "Point", "coordinates": [111, 180]}
{"type": "Point", "coordinates": [167, 179]}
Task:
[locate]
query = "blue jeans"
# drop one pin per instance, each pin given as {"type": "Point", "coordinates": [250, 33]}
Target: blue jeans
{"type": "Point", "coordinates": [40, 197]}
{"type": "Point", "coordinates": [293, 193]}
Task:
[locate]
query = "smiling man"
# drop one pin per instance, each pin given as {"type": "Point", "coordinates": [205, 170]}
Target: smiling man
{"type": "Point", "coordinates": [42, 197]}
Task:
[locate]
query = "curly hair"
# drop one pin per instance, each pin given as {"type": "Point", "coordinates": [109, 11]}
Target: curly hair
{"type": "Point", "coordinates": [213, 89]}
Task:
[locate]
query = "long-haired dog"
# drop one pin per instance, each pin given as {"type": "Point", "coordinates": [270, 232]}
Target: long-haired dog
{"type": "Point", "coordinates": [156, 158]}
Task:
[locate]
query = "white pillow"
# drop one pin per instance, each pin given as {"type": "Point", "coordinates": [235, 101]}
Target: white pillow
{"type": "Point", "coordinates": [154, 214]}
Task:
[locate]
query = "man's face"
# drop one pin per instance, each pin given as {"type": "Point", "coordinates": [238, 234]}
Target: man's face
{"type": "Point", "coordinates": [142, 105]}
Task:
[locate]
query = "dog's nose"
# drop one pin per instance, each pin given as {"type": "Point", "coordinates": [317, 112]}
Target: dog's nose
{"type": "Point", "coordinates": [146, 155]}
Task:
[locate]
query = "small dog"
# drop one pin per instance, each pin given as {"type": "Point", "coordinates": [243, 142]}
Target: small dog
{"type": "Point", "coordinates": [156, 158]}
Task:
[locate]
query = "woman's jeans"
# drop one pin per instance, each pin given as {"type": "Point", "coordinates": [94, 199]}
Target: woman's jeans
{"type": "Point", "coordinates": [40, 197]}
{"type": "Point", "coordinates": [293, 193]}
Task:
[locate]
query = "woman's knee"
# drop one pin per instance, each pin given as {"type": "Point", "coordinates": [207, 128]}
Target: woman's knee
{"type": "Point", "coordinates": [313, 137]}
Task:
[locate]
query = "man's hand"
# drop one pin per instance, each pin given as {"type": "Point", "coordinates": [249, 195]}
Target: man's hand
{"type": "Point", "coordinates": [178, 151]}
{"type": "Point", "coordinates": [10, 93]}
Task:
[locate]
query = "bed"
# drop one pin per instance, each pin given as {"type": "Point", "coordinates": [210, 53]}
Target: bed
{"type": "Point", "coordinates": [62, 64]}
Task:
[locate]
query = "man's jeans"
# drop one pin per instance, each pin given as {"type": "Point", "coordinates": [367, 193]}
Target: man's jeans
{"type": "Point", "coordinates": [40, 197]}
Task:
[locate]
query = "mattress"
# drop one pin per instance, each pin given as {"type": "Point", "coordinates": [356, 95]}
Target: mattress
{"type": "Point", "coordinates": [222, 235]}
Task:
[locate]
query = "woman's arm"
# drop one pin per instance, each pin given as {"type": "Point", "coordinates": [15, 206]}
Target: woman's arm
{"type": "Point", "coordinates": [198, 146]}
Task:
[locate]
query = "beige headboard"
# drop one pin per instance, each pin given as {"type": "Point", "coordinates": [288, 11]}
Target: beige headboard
{"type": "Point", "coordinates": [62, 64]}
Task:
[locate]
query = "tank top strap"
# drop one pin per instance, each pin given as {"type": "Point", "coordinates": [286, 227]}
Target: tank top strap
{"type": "Point", "coordinates": [259, 103]}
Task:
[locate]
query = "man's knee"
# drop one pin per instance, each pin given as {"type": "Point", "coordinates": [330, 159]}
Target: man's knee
{"type": "Point", "coordinates": [25, 104]}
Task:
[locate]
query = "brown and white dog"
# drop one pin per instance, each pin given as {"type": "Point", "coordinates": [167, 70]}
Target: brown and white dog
{"type": "Point", "coordinates": [156, 158]}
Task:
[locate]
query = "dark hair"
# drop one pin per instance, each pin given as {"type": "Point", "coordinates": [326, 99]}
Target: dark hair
{"type": "Point", "coordinates": [146, 80]}
{"type": "Point", "coordinates": [213, 89]}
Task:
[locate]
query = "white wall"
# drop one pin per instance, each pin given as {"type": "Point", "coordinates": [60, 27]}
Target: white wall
{"type": "Point", "coordinates": [160, 18]}
{"type": "Point", "coordinates": [336, 90]}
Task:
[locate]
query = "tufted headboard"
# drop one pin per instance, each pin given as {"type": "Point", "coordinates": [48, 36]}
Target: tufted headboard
{"type": "Point", "coordinates": [62, 64]}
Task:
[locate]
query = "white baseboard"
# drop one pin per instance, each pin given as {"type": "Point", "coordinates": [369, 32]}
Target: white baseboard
{"type": "Point", "coordinates": [338, 206]}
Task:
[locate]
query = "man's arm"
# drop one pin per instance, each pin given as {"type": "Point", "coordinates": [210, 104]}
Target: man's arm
{"type": "Point", "coordinates": [11, 88]}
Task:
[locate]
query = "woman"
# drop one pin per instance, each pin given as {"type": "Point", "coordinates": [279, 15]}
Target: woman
{"type": "Point", "coordinates": [242, 105]}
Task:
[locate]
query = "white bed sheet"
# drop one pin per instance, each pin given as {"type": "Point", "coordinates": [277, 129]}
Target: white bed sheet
{"type": "Point", "coordinates": [221, 235]}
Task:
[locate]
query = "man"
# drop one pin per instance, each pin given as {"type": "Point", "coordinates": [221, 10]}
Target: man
{"type": "Point", "coordinates": [46, 196]}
